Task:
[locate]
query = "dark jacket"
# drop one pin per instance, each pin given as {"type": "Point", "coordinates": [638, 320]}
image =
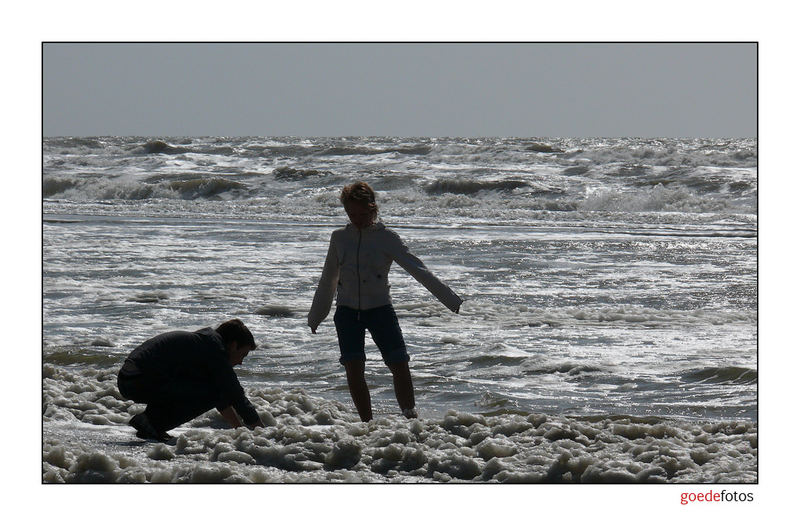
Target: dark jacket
{"type": "Point", "coordinates": [198, 356]}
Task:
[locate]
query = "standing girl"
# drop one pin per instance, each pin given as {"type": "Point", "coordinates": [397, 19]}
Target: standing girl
{"type": "Point", "coordinates": [356, 271]}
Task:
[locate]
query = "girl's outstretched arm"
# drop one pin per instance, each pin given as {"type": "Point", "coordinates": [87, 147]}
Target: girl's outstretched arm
{"type": "Point", "coordinates": [326, 289]}
{"type": "Point", "coordinates": [414, 266]}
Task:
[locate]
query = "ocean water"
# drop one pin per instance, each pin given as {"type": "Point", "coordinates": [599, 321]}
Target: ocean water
{"type": "Point", "coordinates": [608, 333]}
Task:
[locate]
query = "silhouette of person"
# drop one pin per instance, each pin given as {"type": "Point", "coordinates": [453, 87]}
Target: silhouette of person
{"type": "Point", "coordinates": [181, 375]}
{"type": "Point", "coordinates": [356, 271]}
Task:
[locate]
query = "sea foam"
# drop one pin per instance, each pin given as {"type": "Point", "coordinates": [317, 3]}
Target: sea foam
{"type": "Point", "coordinates": [310, 439]}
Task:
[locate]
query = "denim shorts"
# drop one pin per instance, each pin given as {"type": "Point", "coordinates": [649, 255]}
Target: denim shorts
{"type": "Point", "coordinates": [351, 326]}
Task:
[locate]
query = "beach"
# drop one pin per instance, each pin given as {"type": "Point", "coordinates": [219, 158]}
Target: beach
{"type": "Point", "coordinates": [608, 332]}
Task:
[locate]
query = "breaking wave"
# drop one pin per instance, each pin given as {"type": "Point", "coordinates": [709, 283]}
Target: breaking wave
{"type": "Point", "coordinates": [125, 189]}
{"type": "Point", "coordinates": [293, 174]}
{"type": "Point", "coordinates": [723, 375]}
{"type": "Point", "coordinates": [52, 186]}
{"type": "Point", "coordinates": [204, 187]}
{"type": "Point", "coordinates": [359, 150]}
{"type": "Point", "coordinates": [525, 176]}
{"type": "Point", "coordinates": [660, 198]}
{"type": "Point", "coordinates": [161, 147]}
{"type": "Point", "coordinates": [568, 368]}
{"type": "Point", "coordinates": [469, 187]}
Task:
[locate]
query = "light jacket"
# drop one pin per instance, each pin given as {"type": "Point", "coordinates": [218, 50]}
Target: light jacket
{"type": "Point", "coordinates": [356, 270]}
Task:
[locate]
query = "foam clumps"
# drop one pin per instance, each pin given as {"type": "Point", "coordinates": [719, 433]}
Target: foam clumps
{"type": "Point", "coordinates": [310, 439]}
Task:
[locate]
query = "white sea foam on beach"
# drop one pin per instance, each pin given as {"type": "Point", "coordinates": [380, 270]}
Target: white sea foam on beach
{"type": "Point", "coordinates": [309, 439]}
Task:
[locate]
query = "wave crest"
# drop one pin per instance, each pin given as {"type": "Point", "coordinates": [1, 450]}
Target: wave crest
{"type": "Point", "coordinates": [658, 198]}
{"type": "Point", "coordinates": [723, 375]}
{"type": "Point", "coordinates": [205, 187]}
{"type": "Point", "coordinates": [469, 186]}
{"type": "Point", "coordinates": [365, 150]}
{"type": "Point", "coordinates": [55, 186]}
{"type": "Point", "coordinates": [113, 189]}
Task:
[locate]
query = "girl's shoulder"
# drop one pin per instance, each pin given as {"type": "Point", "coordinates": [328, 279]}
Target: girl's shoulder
{"type": "Point", "coordinates": [388, 236]}
{"type": "Point", "coordinates": [341, 231]}
{"type": "Point", "coordinates": [376, 231]}
{"type": "Point", "coordinates": [381, 230]}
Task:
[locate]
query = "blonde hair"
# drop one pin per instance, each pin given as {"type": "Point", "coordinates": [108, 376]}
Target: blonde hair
{"type": "Point", "coordinates": [359, 192]}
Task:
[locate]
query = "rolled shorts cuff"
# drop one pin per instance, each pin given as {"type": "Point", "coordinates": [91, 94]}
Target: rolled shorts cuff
{"type": "Point", "coordinates": [351, 327]}
{"type": "Point", "coordinates": [396, 356]}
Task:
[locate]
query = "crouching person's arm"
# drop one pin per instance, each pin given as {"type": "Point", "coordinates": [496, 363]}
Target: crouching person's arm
{"type": "Point", "coordinates": [257, 423]}
{"type": "Point", "coordinates": [230, 416]}
{"type": "Point", "coordinates": [248, 413]}
{"type": "Point", "coordinates": [232, 403]}
{"type": "Point", "coordinates": [252, 419]}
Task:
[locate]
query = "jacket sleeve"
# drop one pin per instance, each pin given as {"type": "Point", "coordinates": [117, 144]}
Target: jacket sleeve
{"type": "Point", "coordinates": [326, 289]}
{"type": "Point", "coordinates": [414, 266]}
{"type": "Point", "coordinates": [232, 394]}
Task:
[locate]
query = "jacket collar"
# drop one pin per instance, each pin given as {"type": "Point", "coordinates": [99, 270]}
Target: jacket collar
{"type": "Point", "coordinates": [372, 228]}
{"type": "Point", "coordinates": [213, 335]}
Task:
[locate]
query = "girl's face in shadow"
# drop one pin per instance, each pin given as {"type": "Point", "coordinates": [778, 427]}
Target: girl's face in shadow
{"type": "Point", "coordinates": [360, 214]}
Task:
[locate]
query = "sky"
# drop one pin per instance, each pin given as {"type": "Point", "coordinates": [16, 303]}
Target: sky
{"type": "Point", "coordinates": [400, 89]}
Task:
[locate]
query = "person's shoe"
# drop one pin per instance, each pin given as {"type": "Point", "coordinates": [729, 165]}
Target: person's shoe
{"type": "Point", "coordinates": [146, 431]}
{"type": "Point", "coordinates": [410, 413]}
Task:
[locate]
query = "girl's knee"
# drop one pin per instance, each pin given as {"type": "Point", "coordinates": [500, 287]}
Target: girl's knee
{"type": "Point", "coordinates": [354, 368]}
{"type": "Point", "coordinates": [399, 369]}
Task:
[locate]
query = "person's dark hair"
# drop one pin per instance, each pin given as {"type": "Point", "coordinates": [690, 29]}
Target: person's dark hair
{"type": "Point", "coordinates": [236, 331]}
{"type": "Point", "coordinates": [360, 192]}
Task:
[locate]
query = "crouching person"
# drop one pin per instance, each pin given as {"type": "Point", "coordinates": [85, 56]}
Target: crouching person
{"type": "Point", "coordinates": [181, 375]}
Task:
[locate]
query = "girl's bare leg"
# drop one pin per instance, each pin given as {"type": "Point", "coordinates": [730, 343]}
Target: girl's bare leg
{"type": "Point", "coordinates": [403, 387]}
{"type": "Point", "coordinates": [358, 389]}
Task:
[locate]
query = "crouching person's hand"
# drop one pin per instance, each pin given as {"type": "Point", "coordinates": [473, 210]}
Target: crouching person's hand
{"type": "Point", "coordinates": [257, 423]}
{"type": "Point", "coordinates": [231, 417]}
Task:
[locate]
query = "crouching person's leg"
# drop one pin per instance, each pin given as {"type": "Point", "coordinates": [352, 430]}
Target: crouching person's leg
{"type": "Point", "coordinates": [142, 389]}
{"type": "Point", "coordinates": [178, 402]}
